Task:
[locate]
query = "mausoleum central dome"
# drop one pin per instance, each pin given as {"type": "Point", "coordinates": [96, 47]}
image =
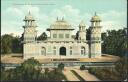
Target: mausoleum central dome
{"type": "Point", "coordinates": [60, 24]}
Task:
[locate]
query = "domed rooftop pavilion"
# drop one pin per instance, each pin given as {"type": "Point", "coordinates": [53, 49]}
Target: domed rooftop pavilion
{"type": "Point", "coordinates": [95, 18]}
{"type": "Point", "coordinates": [82, 23]}
{"type": "Point", "coordinates": [60, 24]}
{"type": "Point", "coordinates": [29, 17]}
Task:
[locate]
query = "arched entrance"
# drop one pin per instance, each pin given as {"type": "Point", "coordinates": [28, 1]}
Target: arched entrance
{"type": "Point", "coordinates": [43, 51]}
{"type": "Point", "coordinates": [82, 50]}
{"type": "Point", "coordinates": [63, 51]}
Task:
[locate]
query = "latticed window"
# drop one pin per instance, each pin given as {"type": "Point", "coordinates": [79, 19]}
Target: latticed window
{"type": "Point", "coordinates": [70, 50]}
{"type": "Point", "coordinates": [67, 35]}
{"type": "Point", "coordinates": [61, 36]}
{"type": "Point", "coordinates": [82, 50]}
{"type": "Point", "coordinates": [54, 50]}
{"type": "Point", "coordinates": [54, 35]}
{"type": "Point", "coordinates": [43, 51]}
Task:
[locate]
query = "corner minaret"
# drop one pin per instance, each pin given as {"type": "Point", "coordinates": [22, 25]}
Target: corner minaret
{"type": "Point", "coordinates": [95, 39]}
{"type": "Point", "coordinates": [82, 32]}
{"type": "Point", "coordinates": [30, 32]}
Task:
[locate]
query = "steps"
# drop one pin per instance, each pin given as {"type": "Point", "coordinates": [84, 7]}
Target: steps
{"type": "Point", "coordinates": [86, 76]}
{"type": "Point", "coordinates": [70, 76]}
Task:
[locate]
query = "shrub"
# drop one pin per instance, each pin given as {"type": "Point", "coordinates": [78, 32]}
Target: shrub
{"type": "Point", "coordinates": [82, 67]}
{"type": "Point", "coordinates": [61, 66]}
{"type": "Point", "coordinates": [31, 70]}
{"type": "Point", "coordinates": [105, 73]}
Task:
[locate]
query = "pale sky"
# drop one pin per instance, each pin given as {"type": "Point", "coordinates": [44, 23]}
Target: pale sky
{"type": "Point", "coordinates": [112, 13]}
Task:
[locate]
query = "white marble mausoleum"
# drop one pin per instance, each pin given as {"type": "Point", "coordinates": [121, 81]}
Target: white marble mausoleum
{"type": "Point", "coordinates": [61, 44]}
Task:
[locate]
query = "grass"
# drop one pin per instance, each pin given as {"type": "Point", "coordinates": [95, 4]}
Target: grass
{"type": "Point", "coordinates": [77, 75]}
{"type": "Point", "coordinates": [104, 73]}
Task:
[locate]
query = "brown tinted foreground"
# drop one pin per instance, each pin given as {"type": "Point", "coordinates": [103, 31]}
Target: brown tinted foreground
{"type": "Point", "coordinates": [10, 58]}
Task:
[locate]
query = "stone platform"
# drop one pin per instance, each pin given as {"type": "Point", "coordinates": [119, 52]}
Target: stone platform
{"type": "Point", "coordinates": [17, 59]}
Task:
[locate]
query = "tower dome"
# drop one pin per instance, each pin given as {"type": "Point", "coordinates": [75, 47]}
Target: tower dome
{"type": "Point", "coordinates": [95, 18]}
{"type": "Point", "coordinates": [29, 17]}
{"type": "Point", "coordinates": [82, 23]}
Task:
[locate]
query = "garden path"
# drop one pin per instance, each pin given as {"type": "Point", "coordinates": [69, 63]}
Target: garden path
{"type": "Point", "coordinates": [86, 75]}
{"type": "Point", "coordinates": [69, 75]}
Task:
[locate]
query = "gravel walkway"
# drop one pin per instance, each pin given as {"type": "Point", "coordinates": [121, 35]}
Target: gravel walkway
{"type": "Point", "coordinates": [70, 76]}
{"type": "Point", "coordinates": [86, 75]}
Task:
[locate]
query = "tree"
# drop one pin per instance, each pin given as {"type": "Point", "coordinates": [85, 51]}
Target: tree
{"type": "Point", "coordinates": [11, 44]}
{"type": "Point", "coordinates": [88, 34]}
{"type": "Point", "coordinates": [82, 67]}
{"type": "Point", "coordinates": [43, 36]}
{"type": "Point", "coordinates": [115, 73]}
{"type": "Point", "coordinates": [61, 66]}
{"type": "Point", "coordinates": [114, 42]}
{"type": "Point", "coordinates": [46, 73]}
{"type": "Point", "coordinates": [6, 44]}
{"type": "Point", "coordinates": [17, 47]}
{"type": "Point", "coordinates": [121, 67]}
{"type": "Point", "coordinates": [103, 37]}
{"type": "Point", "coordinates": [29, 70]}
{"type": "Point", "coordinates": [77, 35]}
